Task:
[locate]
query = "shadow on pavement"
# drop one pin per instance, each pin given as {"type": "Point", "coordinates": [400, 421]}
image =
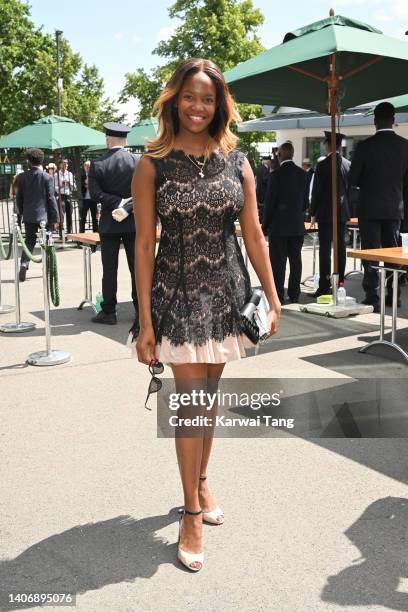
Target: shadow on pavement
{"type": "Point", "coordinates": [300, 329]}
{"type": "Point", "coordinates": [373, 578]}
{"type": "Point", "coordinates": [88, 557]}
{"type": "Point", "coordinates": [383, 361]}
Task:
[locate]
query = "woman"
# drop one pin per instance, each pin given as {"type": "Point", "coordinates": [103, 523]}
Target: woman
{"type": "Point", "coordinates": [198, 184]}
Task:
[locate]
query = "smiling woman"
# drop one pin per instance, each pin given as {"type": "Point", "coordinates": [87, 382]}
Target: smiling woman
{"type": "Point", "coordinates": [191, 296]}
{"type": "Point", "coordinates": [197, 99]}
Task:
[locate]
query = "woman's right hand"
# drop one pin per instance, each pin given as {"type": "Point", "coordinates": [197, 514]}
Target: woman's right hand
{"type": "Point", "coordinates": [145, 345]}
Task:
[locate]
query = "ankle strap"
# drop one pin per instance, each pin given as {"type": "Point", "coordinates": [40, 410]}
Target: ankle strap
{"type": "Point", "coordinates": [192, 513]}
{"type": "Point", "coordinates": [203, 477]}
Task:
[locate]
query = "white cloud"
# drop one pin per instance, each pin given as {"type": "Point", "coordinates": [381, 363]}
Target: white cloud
{"type": "Point", "coordinates": [400, 8]}
{"type": "Point", "coordinates": [129, 109]}
{"type": "Point", "coordinates": [165, 33]}
{"type": "Point", "coordinates": [118, 35]}
{"type": "Point", "coordinates": [137, 39]}
{"type": "Point", "coordinates": [383, 16]}
{"type": "Point", "coordinates": [359, 2]}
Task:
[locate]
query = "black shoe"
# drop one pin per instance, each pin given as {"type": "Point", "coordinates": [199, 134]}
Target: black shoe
{"type": "Point", "coordinates": [107, 318]}
{"type": "Point", "coordinates": [371, 301]}
{"type": "Point", "coordinates": [320, 292]}
{"type": "Point", "coordinates": [294, 300]}
{"type": "Point", "coordinates": [388, 301]}
{"type": "Point", "coordinates": [22, 274]}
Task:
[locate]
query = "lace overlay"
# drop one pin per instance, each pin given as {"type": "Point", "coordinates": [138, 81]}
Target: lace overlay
{"type": "Point", "coordinates": [200, 281]}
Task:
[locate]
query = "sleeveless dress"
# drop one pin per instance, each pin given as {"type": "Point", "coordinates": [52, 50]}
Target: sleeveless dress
{"type": "Point", "coordinates": [200, 281]}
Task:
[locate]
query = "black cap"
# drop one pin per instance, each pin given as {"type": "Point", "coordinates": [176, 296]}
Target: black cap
{"type": "Point", "coordinates": [339, 138]}
{"type": "Point", "coordinates": [116, 129]}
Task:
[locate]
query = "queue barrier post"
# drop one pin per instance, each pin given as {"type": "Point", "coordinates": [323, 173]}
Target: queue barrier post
{"type": "Point", "coordinates": [49, 356]}
{"type": "Point", "coordinates": [19, 326]}
{"type": "Point", "coordinates": [4, 308]}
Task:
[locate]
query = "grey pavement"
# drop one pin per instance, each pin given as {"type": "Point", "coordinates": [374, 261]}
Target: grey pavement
{"type": "Point", "coordinates": [89, 493]}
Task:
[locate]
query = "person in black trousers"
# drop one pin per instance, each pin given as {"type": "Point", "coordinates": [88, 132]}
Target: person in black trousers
{"type": "Point", "coordinates": [35, 201]}
{"type": "Point", "coordinates": [87, 202]}
{"type": "Point", "coordinates": [380, 170]}
{"type": "Point", "coordinates": [321, 210]}
{"type": "Point", "coordinates": [286, 199]}
{"type": "Point", "coordinates": [110, 178]}
{"type": "Point", "coordinates": [262, 176]}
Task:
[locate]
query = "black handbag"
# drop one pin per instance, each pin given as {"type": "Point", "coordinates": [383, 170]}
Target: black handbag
{"type": "Point", "coordinates": [250, 317]}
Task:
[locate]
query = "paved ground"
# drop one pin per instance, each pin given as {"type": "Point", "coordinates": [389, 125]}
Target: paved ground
{"type": "Point", "coordinates": [89, 494]}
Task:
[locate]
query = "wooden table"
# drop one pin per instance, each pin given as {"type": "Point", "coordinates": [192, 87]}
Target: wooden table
{"type": "Point", "coordinates": [88, 241]}
{"type": "Point", "coordinates": [394, 256]}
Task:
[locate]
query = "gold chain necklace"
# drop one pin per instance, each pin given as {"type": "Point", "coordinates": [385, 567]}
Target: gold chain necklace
{"type": "Point", "coordinates": [199, 165]}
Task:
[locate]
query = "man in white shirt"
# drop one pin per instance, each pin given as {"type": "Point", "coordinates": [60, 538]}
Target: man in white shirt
{"type": "Point", "coordinates": [87, 202]}
{"type": "Point", "coordinates": [64, 184]}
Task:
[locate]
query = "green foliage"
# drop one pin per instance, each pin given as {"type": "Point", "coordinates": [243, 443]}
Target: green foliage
{"type": "Point", "coordinates": [223, 31]}
{"type": "Point", "coordinates": [220, 30]}
{"type": "Point", "coordinates": [28, 88]}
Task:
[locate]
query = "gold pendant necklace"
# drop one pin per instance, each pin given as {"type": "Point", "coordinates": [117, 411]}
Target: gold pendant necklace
{"type": "Point", "coordinates": [199, 165]}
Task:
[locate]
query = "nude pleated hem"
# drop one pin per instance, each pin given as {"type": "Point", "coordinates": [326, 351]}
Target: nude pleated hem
{"type": "Point", "coordinates": [229, 349]}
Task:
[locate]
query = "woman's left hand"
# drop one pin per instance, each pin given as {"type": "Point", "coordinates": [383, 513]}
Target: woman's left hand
{"type": "Point", "coordinates": [273, 320]}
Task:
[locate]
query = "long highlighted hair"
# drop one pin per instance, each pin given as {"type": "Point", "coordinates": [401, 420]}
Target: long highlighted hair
{"type": "Point", "coordinates": [167, 114]}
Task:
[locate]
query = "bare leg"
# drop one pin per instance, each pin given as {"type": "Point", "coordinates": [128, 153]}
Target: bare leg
{"type": "Point", "coordinates": [189, 451]}
{"type": "Point", "coordinates": [207, 501]}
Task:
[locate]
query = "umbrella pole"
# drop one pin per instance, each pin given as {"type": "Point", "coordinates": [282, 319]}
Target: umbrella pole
{"type": "Point", "coordinates": [333, 112]}
{"type": "Point", "coordinates": [61, 214]}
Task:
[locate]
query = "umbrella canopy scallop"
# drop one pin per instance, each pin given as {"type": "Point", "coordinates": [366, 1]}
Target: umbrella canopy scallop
{"type": "Point", "coordinates": [53, 132]}
{"type": "Point", "coordinates": [369, 66]}
{"type": "Point", "coordinates": [143, 131]}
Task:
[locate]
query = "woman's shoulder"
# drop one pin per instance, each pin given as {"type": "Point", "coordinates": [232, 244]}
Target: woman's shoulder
{"type": "Point", "coordinates": [238, 159]}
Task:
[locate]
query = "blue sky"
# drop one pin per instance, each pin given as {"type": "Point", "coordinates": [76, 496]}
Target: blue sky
{"type": "Point", "coordinates": [119, 36]}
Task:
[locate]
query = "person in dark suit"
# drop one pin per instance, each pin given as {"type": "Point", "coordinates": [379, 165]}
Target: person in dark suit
{"type": "Point", "coordinates": [35, 201]}
{"type": "Point", "coordinates": [380, 170]}
{"type": "Point", "coordinates": [262, 176]}
{"type": "Point", "coordinates": [110, 178]}
{"type": "Point", "coordinates": [307, 167]}
{"type": "Point", "coordinates": [286, 200]}
{"type": "Point", "coordinates": [87, 202]}
{"type": "Point", "coordinates": [321, 210]}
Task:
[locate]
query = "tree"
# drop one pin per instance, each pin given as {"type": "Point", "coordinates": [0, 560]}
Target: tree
{"type": "Point", "coordinates": [223, 31]}
{"type": "Point", "coordinates": [28, 87]}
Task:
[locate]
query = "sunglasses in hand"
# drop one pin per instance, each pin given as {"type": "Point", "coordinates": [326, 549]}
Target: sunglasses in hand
{"type": "Point", "coordinates": [155, 368]}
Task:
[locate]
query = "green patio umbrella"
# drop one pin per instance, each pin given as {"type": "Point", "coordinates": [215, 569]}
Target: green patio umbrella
{"type": "Point", "coordinates": [52, 133]}
{"type": "Point", "coordinates": [140, 133]}
{"type": "Point", "coordinates": [327, 66]}
{"type": "Point", "coordinates": [143, 131]}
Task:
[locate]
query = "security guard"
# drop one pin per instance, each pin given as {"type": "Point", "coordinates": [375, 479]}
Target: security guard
{"type": "Point", "coordinates": [110, 179]}
{"type": "Point", "coordinates": [322, 212]}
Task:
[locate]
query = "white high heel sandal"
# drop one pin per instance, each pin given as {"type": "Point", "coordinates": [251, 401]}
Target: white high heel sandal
{"type": "Point", "coordinates": [188, 558]}
{"type": "Point", "coordinates": [216, 516]}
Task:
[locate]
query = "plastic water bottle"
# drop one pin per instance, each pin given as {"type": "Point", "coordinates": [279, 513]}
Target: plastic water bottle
{"type": "Point", "coordinates": [341, 295]}
{"type": "Point", "coordinates": [316, 279]}
{"type": "Point", "coordinates": [98, 302]}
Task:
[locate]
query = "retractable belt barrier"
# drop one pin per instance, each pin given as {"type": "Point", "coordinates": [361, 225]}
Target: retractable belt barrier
{"type": "Point", "coordinates": [5, 308]}
{"type": "Point", "coordinates": [19, 326]}
{"type": "Point", "coordinates": [50, 288]}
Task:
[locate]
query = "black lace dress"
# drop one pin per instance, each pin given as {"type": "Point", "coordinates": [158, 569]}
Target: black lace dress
{"type": "Point", "coordinates": [200, 281]}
